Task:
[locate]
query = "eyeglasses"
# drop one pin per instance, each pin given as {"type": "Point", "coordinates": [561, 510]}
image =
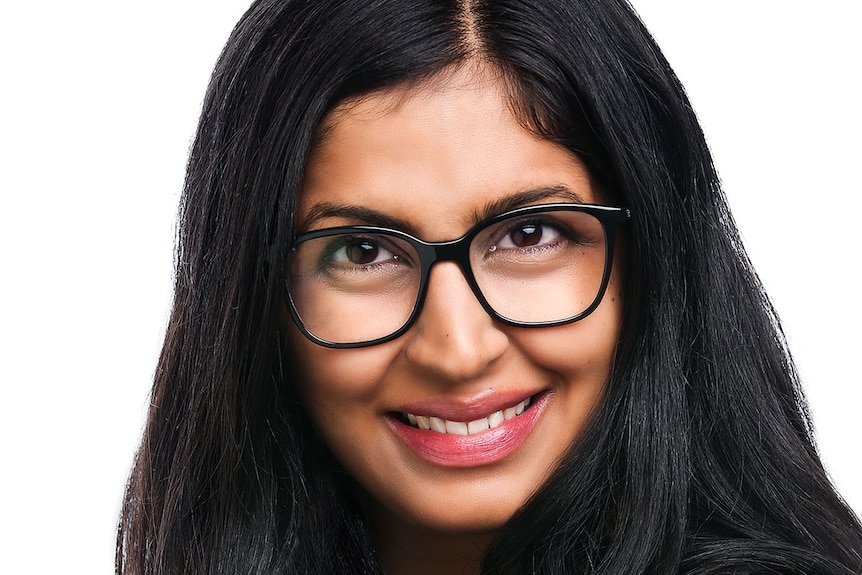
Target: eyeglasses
{"type": "Point", "coordinates": [537, 266]}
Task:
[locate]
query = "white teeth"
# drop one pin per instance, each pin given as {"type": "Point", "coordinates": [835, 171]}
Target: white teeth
{"type": "Point", "coordinates": [438, 425]}
{"type": "Point", "coordinates": [496, 419]}
{"type": "Point", "coordinates": [478, 425]}
{"type": "Point", "coordinates": [467, 428]}
{"type": "Point", "coordinates": [456, 427]}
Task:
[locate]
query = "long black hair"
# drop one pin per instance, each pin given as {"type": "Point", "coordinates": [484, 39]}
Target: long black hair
{"type": "Point", "coordinates": [699, 459]}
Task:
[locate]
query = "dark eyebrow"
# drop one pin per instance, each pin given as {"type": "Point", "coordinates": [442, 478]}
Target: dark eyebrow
{"type": "Point", "coordinates": [526, 198]}
{"type": "Point", "coordinates": [360, 214]}
{"type": "Point", "coordinates": [367, 216]}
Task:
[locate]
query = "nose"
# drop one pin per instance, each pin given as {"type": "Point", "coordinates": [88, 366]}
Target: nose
{"type": "Point", "coordinates": [454, 336]}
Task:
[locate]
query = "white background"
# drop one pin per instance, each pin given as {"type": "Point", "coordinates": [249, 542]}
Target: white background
{"type": "Point", "coordinates": [98, 104]}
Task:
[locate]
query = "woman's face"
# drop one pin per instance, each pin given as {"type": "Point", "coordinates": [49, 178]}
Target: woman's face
{"type": "Point", "coordinates": [435, 156]}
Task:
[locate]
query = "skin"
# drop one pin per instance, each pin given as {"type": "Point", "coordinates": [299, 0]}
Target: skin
{"type": "Point", "coordinates": [434, 156]}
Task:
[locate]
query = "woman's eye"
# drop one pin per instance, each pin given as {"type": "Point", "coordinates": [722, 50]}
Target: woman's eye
{"type": "Point", "coordinates": [361, 252]}
{"type": "Point", "coordinates": [526, 235]}
{"type": "Point", "coordinates": [358, 252]}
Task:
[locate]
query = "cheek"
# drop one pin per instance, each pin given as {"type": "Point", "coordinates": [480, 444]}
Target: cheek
{"type": "Point", "coordinates": [338, 378]}
{"type": "Point", "coordinates": [581, 350]}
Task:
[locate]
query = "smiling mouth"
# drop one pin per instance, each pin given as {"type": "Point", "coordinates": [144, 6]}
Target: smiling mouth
{"type": "Point", "coordinates": [466, 427]}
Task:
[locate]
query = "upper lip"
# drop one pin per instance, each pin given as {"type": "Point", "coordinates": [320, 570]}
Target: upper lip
{"type": "Point", "coordinates": [467, 408]}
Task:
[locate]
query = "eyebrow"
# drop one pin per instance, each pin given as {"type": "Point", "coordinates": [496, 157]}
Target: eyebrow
{"type": "Point", "coordinates": [362, 214]}
{"type": "Point", "coordinates": [526, 198]}
{"type": "Point", "coordinates": [368, 216]}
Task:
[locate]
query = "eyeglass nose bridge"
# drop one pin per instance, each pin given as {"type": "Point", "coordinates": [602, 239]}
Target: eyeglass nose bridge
{"type": "Point", "coordinates": [458, 251]}
{"type": "Point", "coordinates": [452, 250]}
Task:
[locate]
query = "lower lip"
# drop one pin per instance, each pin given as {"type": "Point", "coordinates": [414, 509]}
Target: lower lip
{"type": "Point", "coordinates": [476, 450]}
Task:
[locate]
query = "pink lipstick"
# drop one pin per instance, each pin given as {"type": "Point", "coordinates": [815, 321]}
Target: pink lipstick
{"type": "Point", "coordinates": [464, 436]}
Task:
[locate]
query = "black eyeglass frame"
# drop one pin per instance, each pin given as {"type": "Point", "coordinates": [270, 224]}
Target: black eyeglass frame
{"type": "Point", "coordinates": [458, 250]}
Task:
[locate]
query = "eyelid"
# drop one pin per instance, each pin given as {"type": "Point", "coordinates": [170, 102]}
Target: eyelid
{"type": "Point", "coordinates": [397, 248]}
{"type": "Point", "coordinates": [499, 230]}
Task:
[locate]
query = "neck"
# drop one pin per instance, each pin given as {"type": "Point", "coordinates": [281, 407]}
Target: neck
{"type": "Point", "coordinates": [404, 548]}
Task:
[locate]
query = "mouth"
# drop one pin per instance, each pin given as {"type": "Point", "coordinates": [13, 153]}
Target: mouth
{"type": "Point", "coordinates": [440, 425]}
{"type": "Point", "coordinates": [464, 444]}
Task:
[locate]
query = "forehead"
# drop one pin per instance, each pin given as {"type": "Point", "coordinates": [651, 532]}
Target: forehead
{"type": "Point", "coordinates": [435, 155]}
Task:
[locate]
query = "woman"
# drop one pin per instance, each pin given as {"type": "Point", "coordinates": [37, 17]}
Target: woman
{"type": "Point", "coordinates": [590, 380]}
